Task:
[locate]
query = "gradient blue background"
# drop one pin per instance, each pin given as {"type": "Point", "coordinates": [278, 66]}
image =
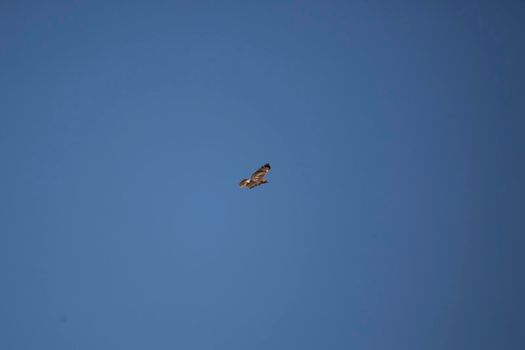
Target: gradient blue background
{"type": "Point", "coordinates": [394, 216]}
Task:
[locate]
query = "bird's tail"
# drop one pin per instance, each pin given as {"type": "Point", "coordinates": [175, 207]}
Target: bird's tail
{"type": "Point", "coordinates": [244, 183]}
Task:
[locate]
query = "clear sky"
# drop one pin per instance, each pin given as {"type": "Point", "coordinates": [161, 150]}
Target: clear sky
{"type": "Point", "coordinates": [394, 213]}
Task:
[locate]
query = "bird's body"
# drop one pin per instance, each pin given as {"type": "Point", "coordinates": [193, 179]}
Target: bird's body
{"type": "Point", "coordinates": [257, 177]}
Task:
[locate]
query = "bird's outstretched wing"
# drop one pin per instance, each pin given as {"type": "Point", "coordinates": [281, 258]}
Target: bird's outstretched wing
{"type": "Point", "coordinates": [244, 183]}
{"type": "Point", "coordinates": [261, 172]}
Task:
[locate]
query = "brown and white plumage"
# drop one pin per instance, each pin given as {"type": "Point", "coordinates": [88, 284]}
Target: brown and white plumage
{"type": "Point", "coordinates": [257, 177]}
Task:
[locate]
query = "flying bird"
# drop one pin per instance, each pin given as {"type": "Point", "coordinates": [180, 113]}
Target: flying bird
{"type": "Point", "coordinates": [257, 177]}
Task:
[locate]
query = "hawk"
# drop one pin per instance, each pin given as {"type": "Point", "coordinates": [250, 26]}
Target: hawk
{"type": "Point", "coordinates": [257, 177]}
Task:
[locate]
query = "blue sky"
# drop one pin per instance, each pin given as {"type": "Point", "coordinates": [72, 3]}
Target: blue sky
{"type": "Point", "coordinates": [393, 218]}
